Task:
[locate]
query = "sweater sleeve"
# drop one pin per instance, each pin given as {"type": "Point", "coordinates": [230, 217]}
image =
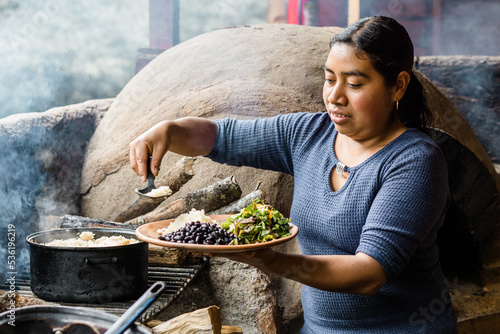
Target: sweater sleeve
{"type": "Point", "coordinates": [408, 209]}
{"type": "Point", "coordinates": [265, 143]}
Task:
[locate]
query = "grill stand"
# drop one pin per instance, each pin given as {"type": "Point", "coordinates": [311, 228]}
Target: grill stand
{"type": "Point", "coordinates": [176, 278]}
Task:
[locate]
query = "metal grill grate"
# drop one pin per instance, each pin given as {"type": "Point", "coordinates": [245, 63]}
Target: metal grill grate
{"type": "Point", "coordinates": [176, 278]}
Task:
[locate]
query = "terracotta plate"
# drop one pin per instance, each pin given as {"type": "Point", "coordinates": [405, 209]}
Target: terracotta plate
{"type": "Point", "coordinates": [148, 233]}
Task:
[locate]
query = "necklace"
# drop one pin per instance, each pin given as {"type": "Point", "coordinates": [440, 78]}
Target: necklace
{"type": "Point", "coordinates": [340, 169]}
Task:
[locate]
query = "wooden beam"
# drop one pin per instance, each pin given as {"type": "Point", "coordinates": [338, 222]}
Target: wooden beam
{"type": "Point", "coordinates": [276, 11]}
{"type": "Point", "coordinates": [163, 23]}
{"type": "Point", "coordinates": [353, 11]}
{"type": "Point", "coordinates": [436, 27]}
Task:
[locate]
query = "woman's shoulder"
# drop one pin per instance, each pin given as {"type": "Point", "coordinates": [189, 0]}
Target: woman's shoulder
{"type": "Point", "coordinates": [413, 133]}
{"type": "Point", "coordinates": [416, 146]}
{"type": "Point", "coordinates": [413, 138]}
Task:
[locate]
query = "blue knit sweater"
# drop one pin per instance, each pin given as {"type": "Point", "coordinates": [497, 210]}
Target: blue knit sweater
{"type": "Point", "coordinates": [390, 208]}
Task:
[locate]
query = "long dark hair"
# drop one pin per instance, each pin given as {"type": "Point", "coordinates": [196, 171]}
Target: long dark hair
{"type": "Point", "coordinates": [389, 48]}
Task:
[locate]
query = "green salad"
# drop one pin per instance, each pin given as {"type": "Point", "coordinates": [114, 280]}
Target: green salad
{"type": "Point", "coordinates": [257, 223]}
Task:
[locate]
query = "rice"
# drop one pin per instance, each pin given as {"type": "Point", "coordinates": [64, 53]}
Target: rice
{"type": "Point", "coordinates": [161, 191]}
{"type": "Point", "coordinates": [86, 239]}
{"type": "Point", "coordinates": [192, 216]}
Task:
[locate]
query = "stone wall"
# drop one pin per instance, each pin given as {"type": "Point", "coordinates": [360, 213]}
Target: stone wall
{"type": "Point", "coordinates": [472, 84]}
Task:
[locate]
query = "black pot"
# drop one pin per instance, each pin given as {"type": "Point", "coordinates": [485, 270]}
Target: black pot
{"type": "Point", "coordinates": [47, 319]}
{"type": "Point", "coordinates": [87, 274]}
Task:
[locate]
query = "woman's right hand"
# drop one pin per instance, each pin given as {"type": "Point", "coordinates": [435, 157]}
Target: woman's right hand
{"type": "Point", "coordinates": [190, 136]}
{"type": "Point", "coordinates": [155, 143]}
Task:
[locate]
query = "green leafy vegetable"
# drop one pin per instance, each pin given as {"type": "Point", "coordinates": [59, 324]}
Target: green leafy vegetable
{"type": "Point", "coordinates": [257, 223]}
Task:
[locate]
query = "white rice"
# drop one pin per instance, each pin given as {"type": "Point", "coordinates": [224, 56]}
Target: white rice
{"type": "Point", "coordinates": [192, 216]}
{"type": "Point", "coordinates": [161, 191]}
{"type": "Point", "coordinates": [86, 239]}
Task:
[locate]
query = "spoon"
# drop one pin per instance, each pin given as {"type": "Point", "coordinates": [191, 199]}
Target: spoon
{"type": "Point", "coordinates": [128, 318]}
{"type": "Point", "coordinates": [150, 185]}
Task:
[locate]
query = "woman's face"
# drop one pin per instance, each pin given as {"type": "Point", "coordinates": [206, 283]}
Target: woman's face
{"type": "Point", "coordinates": [356, 96]}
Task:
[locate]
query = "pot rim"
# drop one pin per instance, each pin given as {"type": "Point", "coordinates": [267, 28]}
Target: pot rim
{"type": "Point", "coordinates": [31, 238]}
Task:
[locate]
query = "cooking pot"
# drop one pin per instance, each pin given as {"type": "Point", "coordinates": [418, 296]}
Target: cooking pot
{"type": "Point", "coordinates": [66, 319]}
{"type": "Point", "coordinates": [87, 274]}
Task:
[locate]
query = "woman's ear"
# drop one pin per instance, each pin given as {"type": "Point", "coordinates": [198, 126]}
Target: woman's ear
{"type": "Point", "coordinates": [402, 83]}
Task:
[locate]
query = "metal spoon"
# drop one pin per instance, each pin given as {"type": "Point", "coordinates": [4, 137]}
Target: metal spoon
{"type": "Point", "coordinates": [128, 318]}
{"type": "Point", "coordinates": [150, 185]}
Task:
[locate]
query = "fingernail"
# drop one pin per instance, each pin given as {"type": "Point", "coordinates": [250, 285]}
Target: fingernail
{"type": "Point", "coordinates": [156, 170]}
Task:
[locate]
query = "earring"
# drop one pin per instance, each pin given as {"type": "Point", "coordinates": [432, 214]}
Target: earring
{"type": "Point", "coordinates": [397, 105]}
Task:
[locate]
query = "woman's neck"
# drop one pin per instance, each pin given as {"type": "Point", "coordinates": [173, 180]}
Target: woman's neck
{"type": "Point", "coordinates": [353, 151]}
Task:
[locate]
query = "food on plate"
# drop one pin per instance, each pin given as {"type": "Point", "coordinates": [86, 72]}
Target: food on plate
{"type": "Point", "coordinates": [257, 223]}
{"type": "Point", "coordinates": [181, 221]}
{"type": "Point", "coordinates": [87, 239]}
{"type": "Point", "coordinates": [196, 232]}
{"type": "Point", "coordinates": [161, 191]}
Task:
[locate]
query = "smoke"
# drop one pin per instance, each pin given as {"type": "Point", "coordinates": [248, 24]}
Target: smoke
{"type": "Point", "coordinates": [21, 181]}
{"type": "Point", "coordinates": [56, 53]}
{"type": "Point", "coordinates": [469, 27]}
{"type": "Point", "coordinates": [200, 16]}
{"type": "Point", "coordinates": [59, 52]}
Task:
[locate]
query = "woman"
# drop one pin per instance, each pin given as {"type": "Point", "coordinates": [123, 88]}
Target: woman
{"type": "Point", "coordinates": [370, 187]}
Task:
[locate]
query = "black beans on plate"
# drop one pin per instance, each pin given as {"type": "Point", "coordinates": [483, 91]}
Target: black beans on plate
{"type": "Point", "coordinates": [200, 233]}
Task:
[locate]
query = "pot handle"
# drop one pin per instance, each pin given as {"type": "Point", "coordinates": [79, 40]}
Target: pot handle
{"type": "Point", "coordinates": [101, 260]}
{"type": "Point", "coordinates": [127, 318]}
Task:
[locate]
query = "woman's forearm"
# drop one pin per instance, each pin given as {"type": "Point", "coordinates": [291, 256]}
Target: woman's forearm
{"type": "Point", "coordinates": [360, 273]}
{"type": "Point", "coordinates": [192, 136]}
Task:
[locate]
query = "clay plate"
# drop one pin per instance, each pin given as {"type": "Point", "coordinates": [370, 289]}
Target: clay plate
{"type": "Point", "coordinates": [148, 232]}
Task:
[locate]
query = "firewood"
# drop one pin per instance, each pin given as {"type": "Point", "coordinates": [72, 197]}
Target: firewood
{"type": "Point", "coordinates": [166, 256]}
{"type": "Point", "coordinates": [178, 174]}
{"type": "Point", "coordinates": [242, 203]}
{"type": "Point", "coordinates": [203, 321]}
{"type": "Point", "coordinates": [72, 221]}
{"type": "Point", "coordinates": [225, 329]}
{"type": "Point", "coordinates": [231, 330]}
{"type": "Point", "coordinates": [175, 177]}
{"type": "Point", "coordinates": [209, 198]}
